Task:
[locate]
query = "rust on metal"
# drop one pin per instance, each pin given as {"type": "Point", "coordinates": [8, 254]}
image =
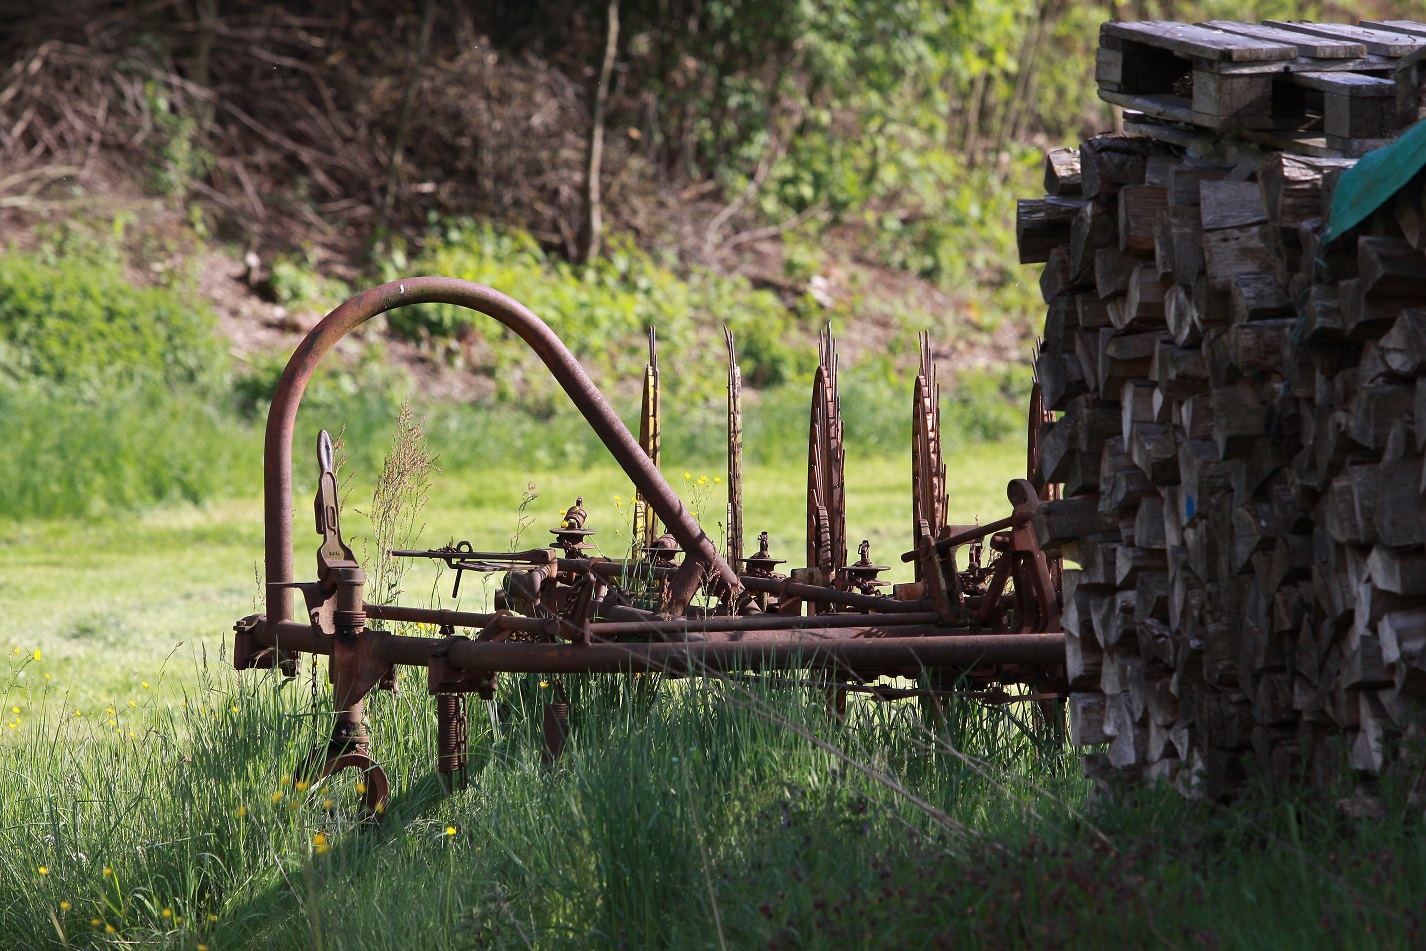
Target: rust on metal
{"type": "Point", "coordinates": [826, 470]}
{"type": "Point", "coordinates": [679, 605]}
{"type": "Point", "coordinates": [646, 523]}
{"type": "Point", "coordinates": [556, 726]}
{"type": "Point", "coordinates": [735, 453]}
{"type": "Point", "coordinates": [928, 469]}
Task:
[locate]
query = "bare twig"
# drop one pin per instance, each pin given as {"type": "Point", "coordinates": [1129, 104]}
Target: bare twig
{"type": "Point", "coordinates": [45, 174]}
{"type": "Point", "coordinates": [591, 229]}
{"type": "Point", "coordinates": [757, 234]}
{"type": "Point", "coordinates": [770, 158]}
{"type": "Point", "coordinates": [398, 147]}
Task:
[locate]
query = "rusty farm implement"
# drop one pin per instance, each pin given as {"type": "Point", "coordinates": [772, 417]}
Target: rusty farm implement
{"type": "Point", "coordinates": [993, 620]}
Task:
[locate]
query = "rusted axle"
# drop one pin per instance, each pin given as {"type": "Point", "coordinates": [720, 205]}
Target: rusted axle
{"type": "Point", "coordinates": [646, 629]}
{"type": "Point", "coordinates": [857, 648]}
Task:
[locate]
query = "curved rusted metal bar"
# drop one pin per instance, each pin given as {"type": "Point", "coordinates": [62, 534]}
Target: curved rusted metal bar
{"type": "Point", "coordinates": [282, 420]}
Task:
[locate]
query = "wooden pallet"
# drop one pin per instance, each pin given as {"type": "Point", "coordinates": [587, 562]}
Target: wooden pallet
{"type": "Point", "coordinates": [1320, 89]}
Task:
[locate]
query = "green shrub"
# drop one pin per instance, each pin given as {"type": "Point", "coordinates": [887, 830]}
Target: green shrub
{"type": "Point", "coordinates": [602, 312]}
{"type": "Point", "coordinates": [78, 454]}
{"type": "Point", "coordinates": [298, 283]}
{"type": "Point", "coordinates": [986, 403]}
{"type": "Point", "coordinates": [78, 320]}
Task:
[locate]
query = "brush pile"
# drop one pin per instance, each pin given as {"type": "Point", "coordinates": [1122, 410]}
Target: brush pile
{"type": "Point", "coordinates": [1237, 379]}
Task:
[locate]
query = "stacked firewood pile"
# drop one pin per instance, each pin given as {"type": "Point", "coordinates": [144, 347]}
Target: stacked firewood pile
{"type": "Point", "coordinates": [1236, 391]}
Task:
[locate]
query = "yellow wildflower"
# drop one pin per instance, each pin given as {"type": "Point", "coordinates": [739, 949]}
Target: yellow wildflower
{"type": "Point", "coordinates": [292, 805]}
{"type": "Point", "coordinates": [235, 708]}
{"type": "Point", "coordinates": [212, 917]}
{"type": "Point", "coordinates": [380, 808]}
{"type": "Point", "coordinates": [450, 830]}
{"type": "Point", "coordinates": [242, 811]}
{"type": "Point", "coordinates": [144, 684]}
{"type": "Point", "coordinates": [544, 683]}
{"type": "Point", "coordinates": [37, 655]}
{"type": "Point", "coordinates": [95, 922]}
{"type": "Point", "coordinates": [327, 805]}
{"type": "Point", "coordinates": [113, 723]}
{"type": "Point", "coordinates": [361, 788]}
{"type": "Point", "coordinates": [108, 871]}
{"type": "Point", "coordinates": [14, 709]}
{"type": "Point", "coordinates": [110, 929]}
{"type": "Point", "coordinates": [167, 913]}
{"type": "Point", "coordinates": [44, 871]}
{"type": "Point", "coordinates": [277, 797]}
{"type": "Point", "coordinates": [717, 481]}
{"type": "Point", "coordinates": [49, 676]}
{"type": "Point", "coordinates": [284, 781]}
{"type": "Point", "coordinates": [132, 704]}
{"type": "Point", "coordinates": [112, 711]}
{"type": "Point", "coordinates": [688, 475]}
{"type": "Point", "coordinates": [319, 839]}
{"type": "Point", "coordinates": [301, 785]}
{"type": "Point", "coordinates": [202, 947]}
{"type": "Point", "coordinates": [65, 906]}
{"type": "Point", "coordinates": [323, 849]}
{"type": "Point", "coordinates": [17, 650]}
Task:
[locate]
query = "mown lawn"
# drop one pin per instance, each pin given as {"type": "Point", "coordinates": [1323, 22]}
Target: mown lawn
{"type": "Point", "coordinates": [115, 602]}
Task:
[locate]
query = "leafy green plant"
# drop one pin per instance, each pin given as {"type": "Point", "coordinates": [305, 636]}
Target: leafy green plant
{"type": "Point", "coordinates": [299, 283]}
{"type": "Point", "coordinates": [601, 311]}
{"type": "Point", "coordinates": [176, 145]}
{"type": "Point", "coordinates": [78, 320]}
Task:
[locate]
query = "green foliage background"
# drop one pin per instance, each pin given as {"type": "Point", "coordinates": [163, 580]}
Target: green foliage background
{"type": "Point", "coordinates": [894, 132]}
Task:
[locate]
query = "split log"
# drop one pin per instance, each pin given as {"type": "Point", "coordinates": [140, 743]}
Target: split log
{"type": "Point", "coordinates": [1062, 176]}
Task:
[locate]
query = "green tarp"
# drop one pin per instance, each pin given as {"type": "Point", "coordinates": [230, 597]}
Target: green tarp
{"type": "Point", "coordinates": [1377, 176]}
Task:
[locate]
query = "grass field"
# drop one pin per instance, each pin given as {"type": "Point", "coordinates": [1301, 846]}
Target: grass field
{"type": "Point", "coordinates": [111, 603]}
{"type": "Point", "coordinates": [685, 814]}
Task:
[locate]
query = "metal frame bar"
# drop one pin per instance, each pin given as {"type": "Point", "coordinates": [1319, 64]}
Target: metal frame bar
{"type": "Point", "coordinates": [282, 420]}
